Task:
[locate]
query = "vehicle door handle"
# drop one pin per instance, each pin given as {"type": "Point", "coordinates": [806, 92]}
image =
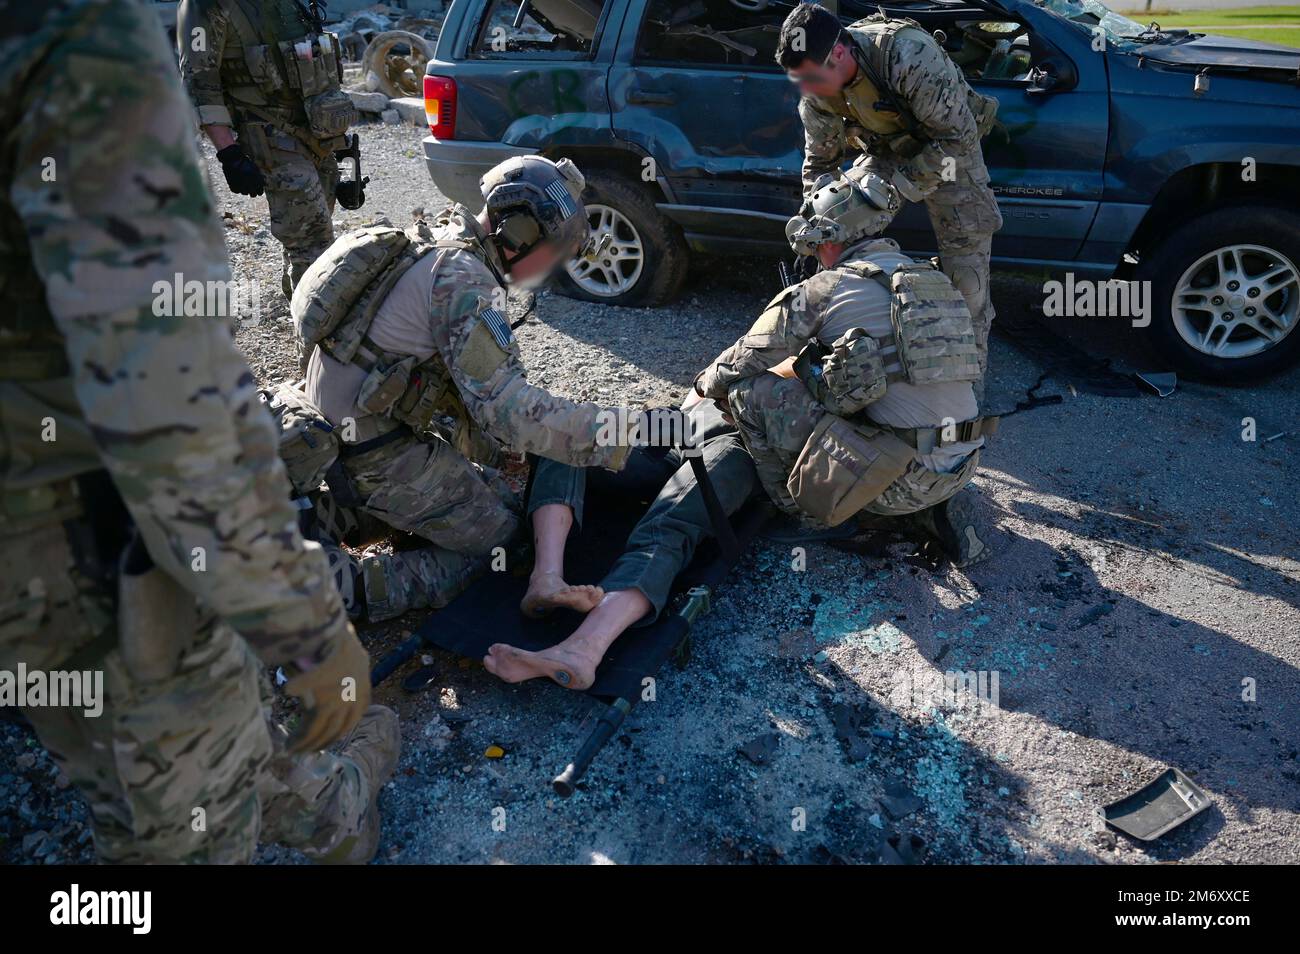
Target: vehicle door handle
{"type": "Point", "coordinates": [650, 97]}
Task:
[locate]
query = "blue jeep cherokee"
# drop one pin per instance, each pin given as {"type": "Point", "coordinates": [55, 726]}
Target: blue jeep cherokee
{"type": "Point", "coordinates": [1123, 151]}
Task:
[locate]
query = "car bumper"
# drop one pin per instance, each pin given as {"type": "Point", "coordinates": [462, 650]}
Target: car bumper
{"type": "Point", "coordinates": [456, 167]}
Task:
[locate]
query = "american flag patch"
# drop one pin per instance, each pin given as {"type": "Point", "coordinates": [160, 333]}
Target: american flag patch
{"type": "Point", "coordinates": [560, 193]}
{"type": "Point", "coordinates": [498, 325]}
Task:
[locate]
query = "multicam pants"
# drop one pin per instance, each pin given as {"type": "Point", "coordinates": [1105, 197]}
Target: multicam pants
{"type": "Point", "coordinates": [180, 769]}
{"type": "Point", "coordinates": [777, 415]}
{"type": "Point", "coordinates": [964, 215]}
{"type": "Point", "coordinates": [300, 188]}
{"type": "Point", "coordinates": [427, 489]}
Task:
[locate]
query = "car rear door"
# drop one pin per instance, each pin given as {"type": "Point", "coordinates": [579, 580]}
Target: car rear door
{"type": "Point", "coordinates": [686, 86]}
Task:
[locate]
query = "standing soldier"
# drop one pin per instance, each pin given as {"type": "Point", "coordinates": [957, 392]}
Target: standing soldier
{"type": "Point", "coordinates": [266, 81]}
{"type": "Point", "coordinates": [887, 88]}
{"type": "Point", "coordinates": [144, 516]}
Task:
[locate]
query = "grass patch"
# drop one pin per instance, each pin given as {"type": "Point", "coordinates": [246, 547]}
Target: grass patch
{"type": "Point", "coordinates": [1246, 23]}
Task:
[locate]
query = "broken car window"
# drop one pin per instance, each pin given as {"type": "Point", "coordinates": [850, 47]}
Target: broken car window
{"type": "Point", "coordinates": [713, 32]}
{"type": "Point", "coordinates": [546, 26]}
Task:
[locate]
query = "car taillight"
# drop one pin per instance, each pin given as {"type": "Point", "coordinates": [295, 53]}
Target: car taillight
{"type": "Point", "coordinates": [440, 106]}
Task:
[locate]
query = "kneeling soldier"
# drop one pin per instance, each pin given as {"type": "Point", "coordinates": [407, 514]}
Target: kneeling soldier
{"type": "Point", "coordinates": [412, 362]}
{"type": "Point", "coordinates": [877, 415]}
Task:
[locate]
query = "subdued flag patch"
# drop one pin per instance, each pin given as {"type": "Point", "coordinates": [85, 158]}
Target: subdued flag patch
{"type": "Point", "coordinates": [560, 193]}
{"type": "Point", "coordinates": [498, 325]}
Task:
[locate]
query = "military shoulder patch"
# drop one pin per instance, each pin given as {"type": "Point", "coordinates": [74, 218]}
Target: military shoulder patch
{"type": "Point", "coordinates": [497, 324]}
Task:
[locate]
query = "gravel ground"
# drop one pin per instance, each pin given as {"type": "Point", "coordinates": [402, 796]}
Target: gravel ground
{"type": "Point", "coordinates": [1146, 570]}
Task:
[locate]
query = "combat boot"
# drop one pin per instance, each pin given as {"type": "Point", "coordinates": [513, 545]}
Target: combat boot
{"type": "Point", "coordinates": [374, 746]}
{"type": "Point", "coordinates": [953, 526]}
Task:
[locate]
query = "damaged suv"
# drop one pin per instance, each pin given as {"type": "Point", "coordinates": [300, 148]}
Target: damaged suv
{"type": "Point", "coordinates": [1167, 157]}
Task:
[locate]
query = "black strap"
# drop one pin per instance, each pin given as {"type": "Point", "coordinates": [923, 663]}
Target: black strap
{"type": "Point", "coordinates": [722, 528]}
{"type": "Point", "coordinates": [365, 447]}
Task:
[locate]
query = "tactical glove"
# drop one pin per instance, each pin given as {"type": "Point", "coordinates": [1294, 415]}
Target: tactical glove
{"type": "Point", "coordinates": [334, 694]}
{"type": "Point", "coordinates": [242, 175]}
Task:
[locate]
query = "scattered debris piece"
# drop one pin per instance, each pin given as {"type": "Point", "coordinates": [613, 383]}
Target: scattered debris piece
{"type": "Point", "coordinates": [1160, 383]}
{"type": "Point", "coordinates": [421, 679]}
{"type": "Point", "coordinates": [1157, 807]}
{"type": "Point", "coordinates": [760, 750]}
{"type": "Point", "coordinates": [899, 802]}
{"type": "Point", "coordinates": [494, 752]}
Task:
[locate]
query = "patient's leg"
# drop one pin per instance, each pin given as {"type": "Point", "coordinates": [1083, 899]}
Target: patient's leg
{"type": "Point", "coordinates": [573, 662]}
{"type": "Point", "coordinates": [546, 587]}
{"type": "Point", "coordinates": [638, 586]}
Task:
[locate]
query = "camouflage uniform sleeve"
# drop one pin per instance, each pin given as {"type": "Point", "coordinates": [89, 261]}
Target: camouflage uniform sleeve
{"type": "Point", "coordinates": [113, 201]}
{"type": "Point", "coordinates": [824, 142]}
{"type": "Point", "coordinates": [934, 90]}
{"type": "Point", "coordinates": [784, 327]}
{"type": "Point", "coordinates": [484, 361]}
{"type": "Point", "coordinates": [201, 27]}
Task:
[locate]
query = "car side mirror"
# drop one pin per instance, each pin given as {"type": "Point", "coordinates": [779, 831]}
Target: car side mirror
{"type": "Point", "coordinates": [1051, 76]}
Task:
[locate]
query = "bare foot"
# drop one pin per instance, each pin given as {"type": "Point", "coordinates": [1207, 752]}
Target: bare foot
{"type": "Point", "coordinates": [548, 591]}
{"type": "Point", "coordinates": [570, 669]}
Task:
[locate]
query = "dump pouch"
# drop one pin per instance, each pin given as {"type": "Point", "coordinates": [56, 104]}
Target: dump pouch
{"type": "Point", "coordinates": [308, 444]}
{"type": "Point", "coordinates": [843, 467]}
{"type": "Point", "coordinates": [330, 114]}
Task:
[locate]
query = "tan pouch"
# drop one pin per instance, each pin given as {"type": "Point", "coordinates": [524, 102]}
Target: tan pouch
{"type": "Point", "coordinates": [843, 467]}
{"type": "Point", "coordinates": [383, 386]}
{"type": "Point", "coordinates": [330, 114]}
{"type": "Point", "coordinates": [156, 617]}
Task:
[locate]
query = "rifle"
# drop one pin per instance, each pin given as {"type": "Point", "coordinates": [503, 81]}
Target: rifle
{"type": "Point", "coordinates": [352, 194]}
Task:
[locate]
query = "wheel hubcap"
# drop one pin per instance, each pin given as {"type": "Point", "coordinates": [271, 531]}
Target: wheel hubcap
{"type": "Point", "coordinates": [617, 268]}
{"type": "Point", "coordinates": [1237, 301]}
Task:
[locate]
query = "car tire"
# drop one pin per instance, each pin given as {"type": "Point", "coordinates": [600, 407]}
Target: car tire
{"type": "Point", "coordinates": [1191, 275]}
{"type": "Point", "coordinates": [626, 210]}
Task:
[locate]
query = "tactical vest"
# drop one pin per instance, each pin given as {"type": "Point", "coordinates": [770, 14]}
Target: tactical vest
{"type": "Point", "coordinates": [849, 460]}
{"type": "Point", "coordinates": [283, 73]}
{"type": "Point", "coordinates": [933, 341]}
{"type": "Point", "coordinates": [868, 103]}
{"type": "Point", "coordinates": [336, 302]}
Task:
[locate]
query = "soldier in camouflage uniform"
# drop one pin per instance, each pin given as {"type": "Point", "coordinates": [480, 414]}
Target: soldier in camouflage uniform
{"type": "Point", "coordinates": [885, 87]}
{"type": "Point", "coordinates": [426, 386]}
{"type": "Point", "coordinates": [877, 414]}
{"type": "Point", "coordinates": [144, 526]}
{"type": "Point", "coordinates": [266, 82]}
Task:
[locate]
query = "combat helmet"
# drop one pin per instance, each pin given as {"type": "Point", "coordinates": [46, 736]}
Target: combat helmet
{"type": "Point", "coordinates": [531, 200]}
{"type": "Point", "coordinates": [843, 208]}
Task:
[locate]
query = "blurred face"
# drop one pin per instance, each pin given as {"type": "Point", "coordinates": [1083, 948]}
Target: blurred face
{"type": "Point", "coordinates": [824, 79]}
{"type": "Point", "coordinates": [537, 266]}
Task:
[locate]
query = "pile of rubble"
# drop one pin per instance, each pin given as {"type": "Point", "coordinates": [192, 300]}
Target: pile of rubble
{"type": "Point", "coordinates": [385, 49]}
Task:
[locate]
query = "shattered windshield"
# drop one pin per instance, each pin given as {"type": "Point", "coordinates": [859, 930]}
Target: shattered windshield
{"type": "Point", "coordinates": [1120, 31]}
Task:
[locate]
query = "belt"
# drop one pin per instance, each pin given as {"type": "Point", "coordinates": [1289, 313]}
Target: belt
{"type": "Point", "coordinates": [926, 439]}
{"type": "Point", "coordinates": [365, 447]}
